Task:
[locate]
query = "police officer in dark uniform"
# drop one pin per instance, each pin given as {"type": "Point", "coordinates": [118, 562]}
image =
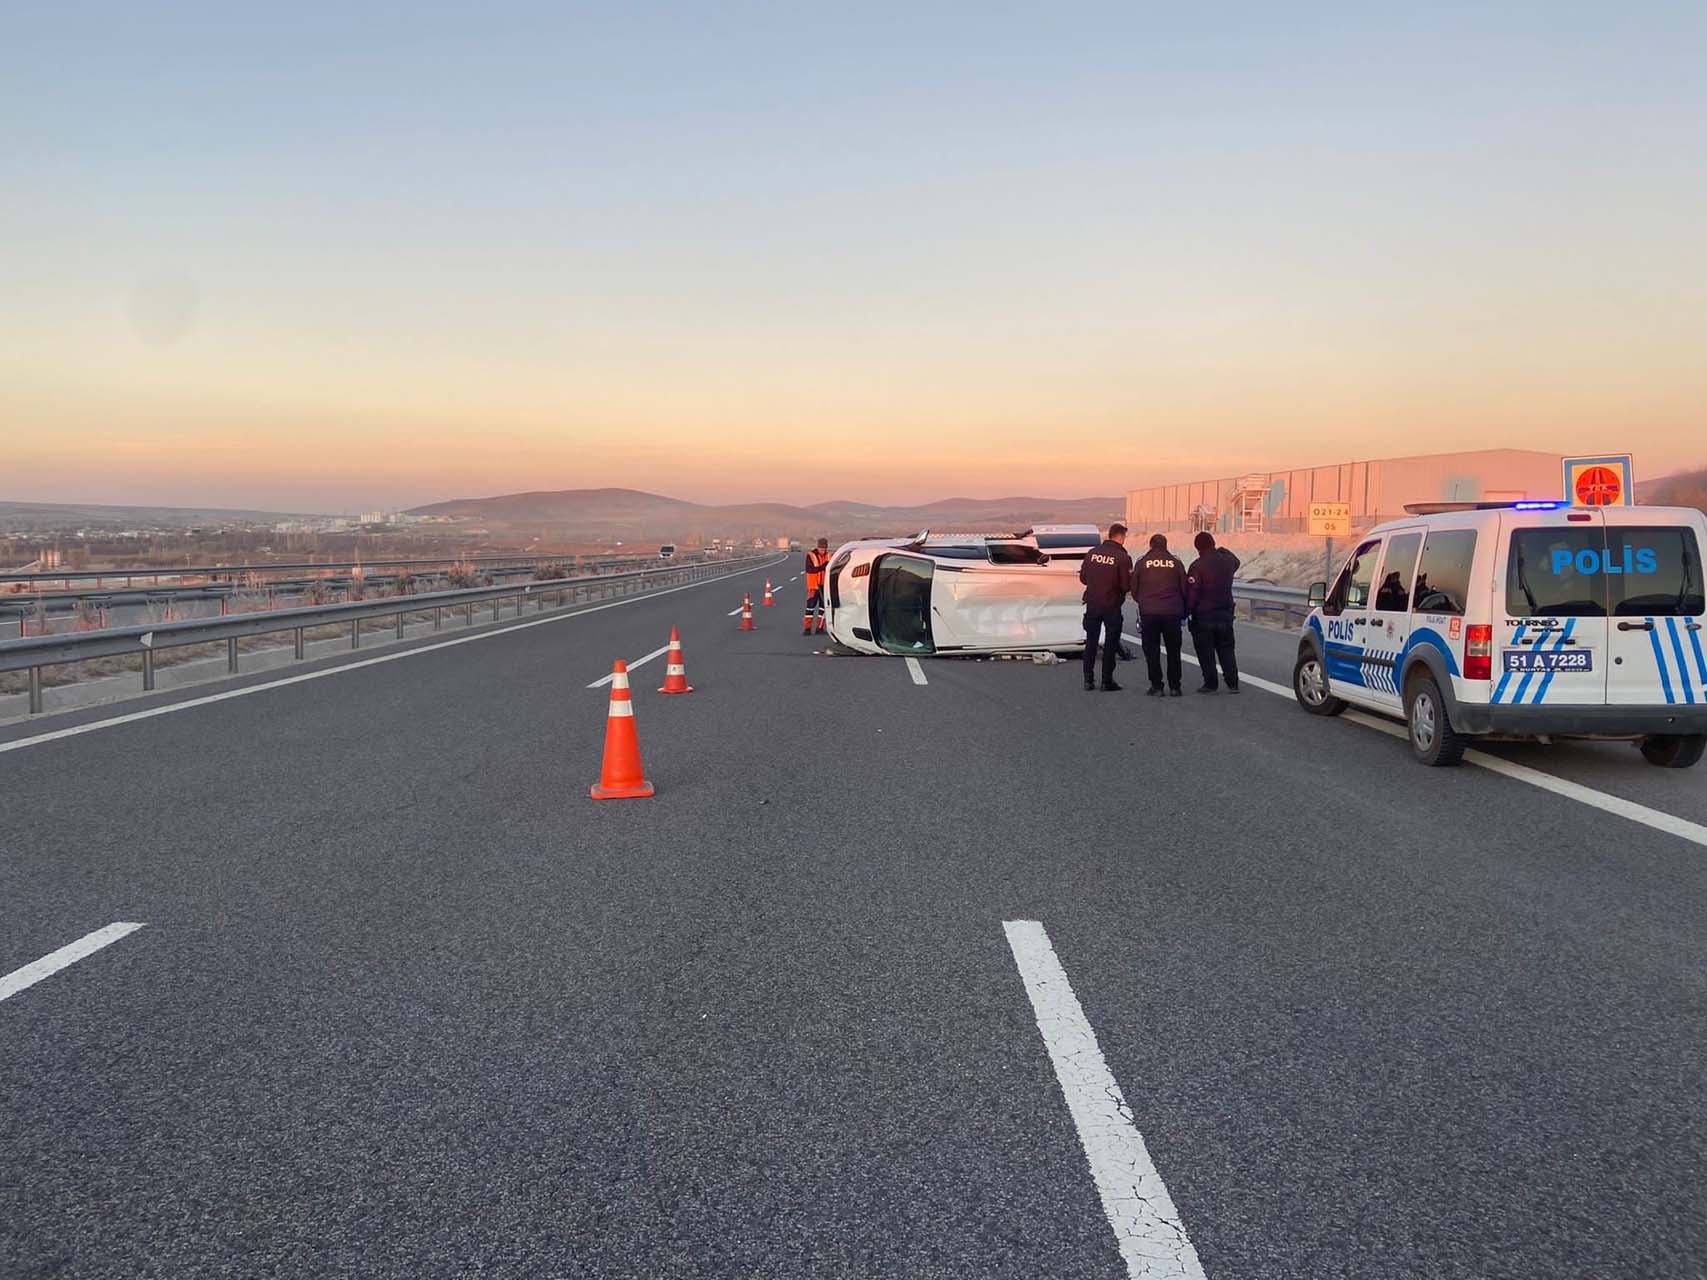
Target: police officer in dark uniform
{"type": "Point", "coordinates": [1158, 583]}
{"type": "Point", "coordinates": [1209, 595]}
{"type": "Point", "coordinates": [1107, 575]}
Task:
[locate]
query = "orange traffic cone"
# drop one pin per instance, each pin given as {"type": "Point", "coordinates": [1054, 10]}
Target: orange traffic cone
{"type": "Point", "coordinates": [622, 776]}
{"type": "Point", "coordinates": [746, 614]}
{"type": "Point", "coordinates": [675, 670]}
{"type": "Point", "coordinates": [769, 603]}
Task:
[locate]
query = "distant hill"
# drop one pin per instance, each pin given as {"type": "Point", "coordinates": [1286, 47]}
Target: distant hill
{"type": "Point", "coordinates": [630, 513]}
{"type": "Point", "coordinates": [1684, 489]}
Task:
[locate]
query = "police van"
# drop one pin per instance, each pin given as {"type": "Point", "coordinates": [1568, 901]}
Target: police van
{"type": "Point", "coordinates": [1523, 620]}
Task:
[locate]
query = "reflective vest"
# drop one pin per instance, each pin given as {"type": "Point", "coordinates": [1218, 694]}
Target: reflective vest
{"type": "Point", "coordinates": [816, 561]}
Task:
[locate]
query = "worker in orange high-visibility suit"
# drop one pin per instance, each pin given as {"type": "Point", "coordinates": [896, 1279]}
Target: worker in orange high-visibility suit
{"type": "Point", "coordinates": [817, 561]}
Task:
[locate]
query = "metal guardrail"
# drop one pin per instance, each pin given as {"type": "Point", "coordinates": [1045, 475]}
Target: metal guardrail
{"type": "Point", "coordinates": [46, 651]}
{"type": "Point", "coordinates": [1265, 597]}
{"type": "Point", "coordinates": [236, 572]}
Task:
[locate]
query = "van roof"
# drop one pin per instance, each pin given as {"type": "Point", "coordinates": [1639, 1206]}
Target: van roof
{"type": "Point", "coordinates": [1478, 513]}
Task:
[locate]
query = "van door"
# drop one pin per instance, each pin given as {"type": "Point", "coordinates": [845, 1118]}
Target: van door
{"type": "Point", "coordinates": [1390, 616]}
{"type": "Point", "coordinates": [1345, 625]}
{"type": "Point", "coordinates": [1551, 642]}
{"type": "Point", "coordinates": [1654, 593]}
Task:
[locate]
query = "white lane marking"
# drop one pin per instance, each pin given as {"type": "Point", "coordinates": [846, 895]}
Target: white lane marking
{"type": "Point", "coordinates": [69, 954]}
{"type": "Point", "coordinates": [17, 744]}
{"type": "Point", "coordinates": [1655, 818]}
{"type": "Point", "coordinates": [638, 662]}
{"type": "Point", "coordinates": [1147, 1227]}
{"type": "Point", "coordinates": [1256, 682]}
{"type": "Point", "coordinates": [916, 671]}
{"type": "Point", "coordinates": [737, 609]}
{"type": "Point", "coordinates": [1658, 819]}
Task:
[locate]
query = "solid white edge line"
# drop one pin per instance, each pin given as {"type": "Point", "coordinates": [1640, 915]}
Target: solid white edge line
{"type": "Point", "coordinates": [17, 744]}
{"type": "Point", "coordinates": [638, 662]}
{"type": "Point", "coordinates": [69, 954]}
{"type": "Point", "coordinates": [916, 671]}
{"type": "Point", "coordinates": [1658, 819]}
{"type": "Point", "coordinates": [1147, 1226]}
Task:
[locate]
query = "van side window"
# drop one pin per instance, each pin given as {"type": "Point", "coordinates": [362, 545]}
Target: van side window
{"type": "Point", "coordinates": [1394, 594]}
{"type": "Point", "coordinates": [1557, 573]}
{"type": "Point", "coordinates": [1658, 572]}
{"type": "Point", "coordinates": [1443, 574]}
{"type": "Point", "coordinates": [1351, 589]}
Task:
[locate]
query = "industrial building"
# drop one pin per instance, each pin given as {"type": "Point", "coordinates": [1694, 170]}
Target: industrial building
{"type": "Point", "coordinates": [1378, 489]}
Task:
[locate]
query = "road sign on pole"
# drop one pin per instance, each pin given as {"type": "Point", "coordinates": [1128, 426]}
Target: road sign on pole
{"type": "Point", "coordinates": [1606, 481]}
{"type": "Point", "coordinates": [1329, 519]}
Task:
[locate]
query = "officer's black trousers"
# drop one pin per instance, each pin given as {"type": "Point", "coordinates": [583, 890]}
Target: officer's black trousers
{"type": "Point", "coordinates": [1105, 623]}
{"type": "Point", "coordinates": [1212, 635]}
{"type": "Point", "coordinates": [1154, 632]}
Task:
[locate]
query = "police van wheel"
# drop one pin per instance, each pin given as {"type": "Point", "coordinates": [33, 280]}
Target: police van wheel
{"type": "Point", "coordinates": [1433, 738]}
{"type": "Point", "coordinates": [1310, 687]}
{"type": "Point", "coordinates": [1673, 751]}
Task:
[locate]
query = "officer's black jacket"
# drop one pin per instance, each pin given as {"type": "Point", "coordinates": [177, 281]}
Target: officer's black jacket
{"type": "Point", "coordinates": [1107, 575]}
{"type": "Point", "coordinates": [1209, 583]}
{"type": "Point", "coordinates": [1158, 583]}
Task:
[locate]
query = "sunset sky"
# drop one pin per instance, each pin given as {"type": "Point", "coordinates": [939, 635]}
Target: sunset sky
{"type": "Point", "coordinates": [320, 257]}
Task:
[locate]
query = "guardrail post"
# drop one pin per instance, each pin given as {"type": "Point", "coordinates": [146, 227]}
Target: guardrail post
{"type": "Point", "coordinates": [438, 617]}
{"type": "Point", "coordinates": [468, 614]}
{"type": "Point", "coordinates": [148, 671]}
{"type": "Point", "coordinates": [399, 626]}
{"type": "Point", "coordinates": [355, 633]}
{"type": "Point", "coordinates": [496, 605]}
{"type": "Point", "coordinates": [35, 691]}
{"type": "Point", "coordinates": [231, 654]}
{"type": "Point", "coordinates": [299, 643]}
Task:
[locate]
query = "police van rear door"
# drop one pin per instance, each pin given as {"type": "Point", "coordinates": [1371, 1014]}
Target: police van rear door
{"type": "Point", "coordinates": [1551, 638]}
{"type": "Point", "coordinates": [1654, 594]}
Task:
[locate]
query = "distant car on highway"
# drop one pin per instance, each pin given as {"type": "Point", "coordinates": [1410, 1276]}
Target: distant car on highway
{"type": "Point", "coordinates": [667, 551]}
{"type": "Point", "coordinates": [962, 594]}
{"type": "Point", "coordinates": [1526, 620]}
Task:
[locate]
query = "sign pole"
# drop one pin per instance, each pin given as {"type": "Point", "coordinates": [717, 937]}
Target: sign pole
{"type": "Point", "coordinates": [1328, 562]}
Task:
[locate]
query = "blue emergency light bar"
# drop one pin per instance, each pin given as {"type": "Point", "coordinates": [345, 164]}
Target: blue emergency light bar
{"type": "Point", "coordinates": [1537, 506]}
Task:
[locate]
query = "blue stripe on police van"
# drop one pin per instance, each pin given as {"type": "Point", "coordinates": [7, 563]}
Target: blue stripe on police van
{"type": "Point", "coordinates": [1682, 666]}
{"type": "Point", "coordinates": [1660, 660]}
{"type": "Point", "coordinates": [1505, 676]}
{"type": "Point", "coordinates": [1547, 677]}
{"type": "Point", "coordinates": [1700, 658]}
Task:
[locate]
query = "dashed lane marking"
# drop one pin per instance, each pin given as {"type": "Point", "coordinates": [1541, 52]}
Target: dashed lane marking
{"type": "Point", "coordinates": [916, 671]}
{"type": "Point", "coordinates": [18, 744]}
{"type": "Point", "coordinates": [69, 954]}
{"type": "Point", "coordinates": [659, 652]}
{"type": "Point", "coordinates": [1658, 819]}
{"type": "Point", "coordinates": [1147, 1227]}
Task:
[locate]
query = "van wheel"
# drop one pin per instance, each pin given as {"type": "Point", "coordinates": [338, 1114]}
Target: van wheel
{"type": "Point", "coordinates": [1673, 750]}
{"type": "Point", "coordinates": [1433, 738]}
{"type": "Point", "coordinates": [1310, 686]}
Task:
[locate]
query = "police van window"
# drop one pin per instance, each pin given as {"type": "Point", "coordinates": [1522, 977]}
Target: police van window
{"type": "Point", "coordinates": [1557, 573]}
{"type": "Point", "coordinates": [1394, 593]}
{"type": "Point", "coordinates": [1656, 572]}
{"type": "Point", "coordinates": [1351, 590]}
{"type": "Point", "coordinates": [1443, 573]}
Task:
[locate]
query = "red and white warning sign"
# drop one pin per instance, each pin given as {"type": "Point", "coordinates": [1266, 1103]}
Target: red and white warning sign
{"type": "Point", "coordinates": [1605, 481]}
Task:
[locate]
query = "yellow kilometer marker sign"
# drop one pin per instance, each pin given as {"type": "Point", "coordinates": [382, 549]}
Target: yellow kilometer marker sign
{"type": "Point", "coordinates": [1329, 519]}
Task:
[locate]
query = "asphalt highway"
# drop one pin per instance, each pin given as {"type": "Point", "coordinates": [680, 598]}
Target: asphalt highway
{"type": "Point", "coordinates": [406, 1002]}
